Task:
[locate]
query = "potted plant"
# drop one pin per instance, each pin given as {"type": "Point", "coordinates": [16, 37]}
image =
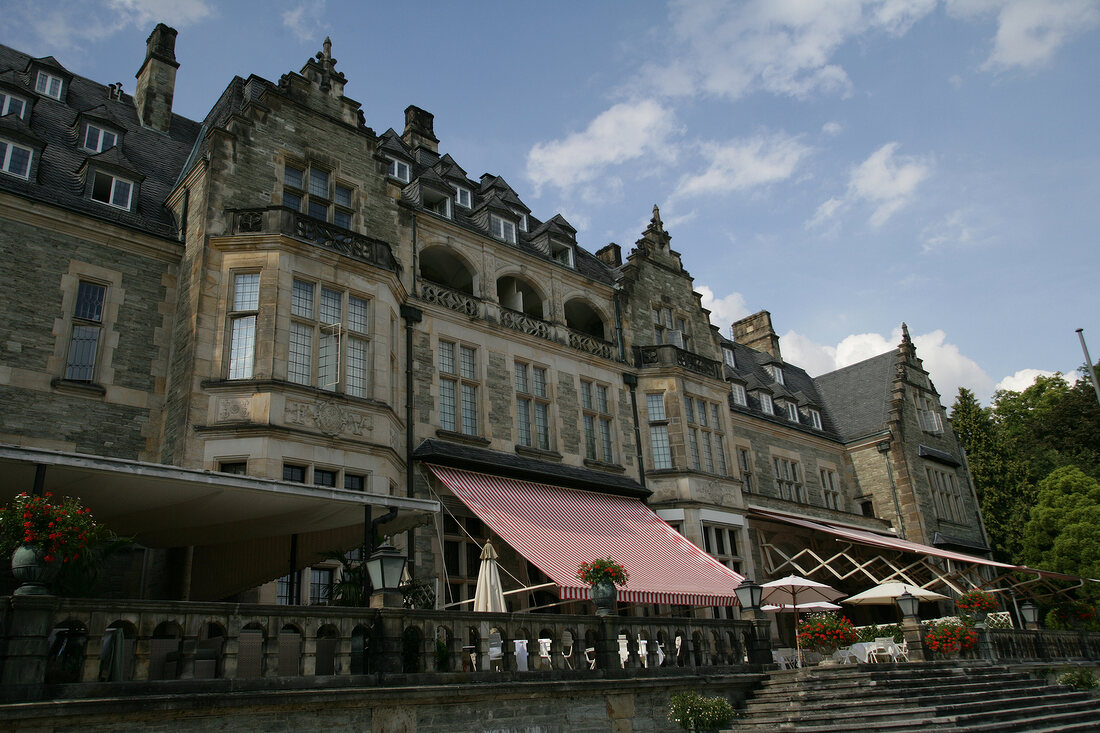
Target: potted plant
{"type": "Point", "coordinates": [602, 575]}
{"type": "Point", "coordinates": [976, 603]}
{"type": "Point", "coordinates": [826, 632]}
{"type": "Point", "coordinates": [692, 711]}
{"type": "Point", "coordinates": [43, 535]}
{"type": "Point", "coordinates": [950, 638]}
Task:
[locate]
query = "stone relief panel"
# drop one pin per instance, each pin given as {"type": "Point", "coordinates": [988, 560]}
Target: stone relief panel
{"type": "Point", "coordinates": [233, 409]}
{"type": "Point", "coordinates": [328, 417]}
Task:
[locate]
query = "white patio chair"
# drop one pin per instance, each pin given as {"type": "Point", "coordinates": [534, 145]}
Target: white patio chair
{"type": "Point", "coordinates": [845, 655]}
{"type": "Point", "coordinates": [590, 657]}
{"type": "Point", "coordinates": [883, 650]}
{"type": "Point", "coordinates": [901, 652]}
{"type": "Point", "coordinates": [785, 658]}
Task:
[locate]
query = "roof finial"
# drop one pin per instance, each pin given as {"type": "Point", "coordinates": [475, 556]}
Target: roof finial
{"type": "Point", "coordinates": [905, 334]}
{"type": "Point", "coordinates": [327, 47]}
{"type": "Point", "coordinates": [656, 220]}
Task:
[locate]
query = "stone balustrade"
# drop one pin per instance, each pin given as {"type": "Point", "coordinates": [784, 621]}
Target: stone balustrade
{"type": "Point", "coordinates": [64, 641]}
{"type": "Point", "coordinates": [448, 298]}
{"type": "Point", "coordinates": [282, 220]}
{"type": "Point", "coordinates": [667, 355]}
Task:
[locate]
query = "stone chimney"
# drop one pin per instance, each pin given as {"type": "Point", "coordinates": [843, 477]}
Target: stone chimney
{"type": "Point", "coordinates": [611, 255]}
{"type": "Point", "coordinates": [419, 131]}
{"type": "Point", "coordinates": [156, 81]}
{"type": "Point", "coordinates": [756, 332]}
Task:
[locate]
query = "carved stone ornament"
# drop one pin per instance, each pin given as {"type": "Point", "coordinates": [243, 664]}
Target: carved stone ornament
{"type": "Point", "coordinates": [233, 409]}
{"type": "Point", "coordinates": [328, 417]}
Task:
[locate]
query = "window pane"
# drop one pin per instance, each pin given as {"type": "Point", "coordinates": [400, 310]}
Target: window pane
{"type": "Point", "coordinates": [468, 366]}
{"type": "Point", "coordinates": [328, 359]}
{"type": "Point", "coordinates": [343, 195]}
{"type": "Point", "coordinates": [655, 403]}
{"type": "Point", "coordinates": [82, 350]}
{"type": "Point", "coordinates": [586, 395]}
{"type": "Point", "coordinates": [447, 357]}
{"type": "Point", "coordinates": [330, 306]}
{"type": "Point", "coordinates": [523, 422]}
{"type": "Point", "coordinates": [296, 474]}
{"type": "Point", "coordinates": [89, 302]}
{"type": "Point", "coordinates": [107, 141]}
{"type": "Point", "coordinates": [693, 444]}
{"type": "Point", "coordinates": [658, 440]}
{"type": "Point", "coordinates": [246, 291]}
{"type": "Point", "coordinates": [354, 483]}
{"type": "Point", "coordinates": [323, 477]}
{"type": "Point", "coordinates": [447, 404]}
{"type": "Point", "coordinates": [689, 409]}
{"type": "Point", "coordinates": [469, 409]}
{"type": "Point", "coordinates": [708, 459]}
{"type": "Point", "coordinates": [357, 367]}
{"type": "Point", "coordinates": [292, 201]}
{"type": "Point", "coordinates": [91, 138]}
{"type": "Point", "coordinates": [357, 314]}
{"type": "Point", "coordinates": [318, 210]}
{"type": "Point", "coordinates": [301, 299]}
{"type": "Point", "coordinates": [121, 195]}
{"type": "Point", "coordinates": [542, 425]}
{"type": "Point", "coordinates": [101, 187]}
{"type": "Point", "coordinates": [601, 398]}
{"type": "Point", "coordinates": [341, 219]}
{"type": "Point", "coordinates": [242, 347]}
{"type": "Point", "coordinates": [292, 176]}
{"type": "Point", "coordinates": [318, 183]}
{"type": "Point", "coordinates": [605, 440]}
{"type": "Point", "coordinates": [702, 410]}
{"type": "Point", "coordinates": [301, 353]}
{"type": "Point", "coordinates": [540, 381]}
{"type": "Point", "coordinates": [521, 378]}
{"type": "Point", "coordinates": [590, 437]}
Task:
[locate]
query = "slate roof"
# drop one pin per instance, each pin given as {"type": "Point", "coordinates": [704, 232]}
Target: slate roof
{"type": "Point", "coordinates": [456, 455]}
{"type": "Point", "coordinates": [797, 386]}
{"type": "Point", "coordinates": [857, 397]}
{"type": "Point", "coordinates": [156, 157]}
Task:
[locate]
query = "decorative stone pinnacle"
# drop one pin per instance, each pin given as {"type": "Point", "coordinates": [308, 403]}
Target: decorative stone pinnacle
{"type": "Point", "coordinates": [905, 334]}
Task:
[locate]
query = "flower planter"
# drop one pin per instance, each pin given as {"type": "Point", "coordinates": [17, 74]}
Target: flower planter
{"type": "Point", "coordinates": [604, 595]}
{"type": "Point", "coordinates": [29, 566]}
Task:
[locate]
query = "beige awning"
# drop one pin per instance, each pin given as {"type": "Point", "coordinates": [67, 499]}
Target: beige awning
{"type": "Point", "coordinates": [168, 506]}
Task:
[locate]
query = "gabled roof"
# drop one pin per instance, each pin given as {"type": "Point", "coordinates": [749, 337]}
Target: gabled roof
{"type": "Point", "coordinates": [857, 397]}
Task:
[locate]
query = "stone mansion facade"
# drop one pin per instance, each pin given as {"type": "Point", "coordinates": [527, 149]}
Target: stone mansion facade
{"type": "Point", "coordinates": [255, 335]}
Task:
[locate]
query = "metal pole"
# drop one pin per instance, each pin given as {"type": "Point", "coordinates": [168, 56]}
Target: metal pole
{"type": "Point", "coordinates": [1088, 363]}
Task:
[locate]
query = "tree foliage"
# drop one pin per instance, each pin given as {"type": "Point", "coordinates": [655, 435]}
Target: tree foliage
{"type": "Point", "coordinates": [1019, 441]}
{"type": "Point", "coordinates": [1063, 531]}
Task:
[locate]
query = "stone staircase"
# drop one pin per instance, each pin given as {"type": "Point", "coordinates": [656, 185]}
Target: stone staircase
{"type": "Point", "coordinates": [945, 697]}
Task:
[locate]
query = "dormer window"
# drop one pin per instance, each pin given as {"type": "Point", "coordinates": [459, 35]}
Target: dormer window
{"type": "Point", "coordinates": [12, 105]}
{"type": "Point", "coordinates": [792, 411]}
{"type": "Point", "coordinates": [15, 159]}
{"type": "Point", "coordinates": [112, 190]}
{"type": "Point", "coordinates": [463, 197]}
{"type": "Point", "coordinates": [727, 357]}
{"type": "Point", "coordinates": [815, 418]}
{"type": "Point", "coordinates": [48, 84]}
{"type": "Point", "coordinates": [766, 404]}
{"type": "Point", "coordinates": [777, 372]}
{"type": "Point", "coordinates": [441, 206]}
{"type": "Point", "coordinates": [562, 253]}
{"type": "Point", "coordinates": [399, 170]}
{"type": "Point", "coordinates": [737, 391]}
{"type": "Point", "coordinates": [502, 229]}
{"type": "Point", "coordinates": [523, 223]}
{"type": "Point", "coordinates": [98, 139]}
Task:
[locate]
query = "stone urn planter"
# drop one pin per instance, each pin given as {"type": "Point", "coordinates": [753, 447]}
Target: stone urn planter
{"type": "Point", "coordinates": [604, 595]}
{"type": "Point", "coordinates": [29, 566]}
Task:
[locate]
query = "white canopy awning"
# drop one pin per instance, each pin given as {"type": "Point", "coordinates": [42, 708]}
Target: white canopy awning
{"type": "Point", "coordinates": [168, 506]}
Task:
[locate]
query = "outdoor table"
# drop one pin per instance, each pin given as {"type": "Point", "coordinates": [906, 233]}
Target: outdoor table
{"type": "Point", "coordinates": [862, 650]}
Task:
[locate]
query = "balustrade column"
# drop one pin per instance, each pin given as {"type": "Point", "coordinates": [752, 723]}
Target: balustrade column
{"type": "Point", "coordinates": [141, 657]}
{"type": "Point", "coordinates": [341, 664]}
{"type": "Point", "coordinates": [271, 649]}
{"type": "Point", "coordinates": [28, 624]}
{"type": "Point", "coordinates": [93, 648]}
{"type": "Point", "coordinates": [507, 653]}
{"type": "Point", "coordinates": [230, 650]}
{"type": "Point", "coordinates": [309, 653]}
{"type": "Point", "coordinates": [186, 664]}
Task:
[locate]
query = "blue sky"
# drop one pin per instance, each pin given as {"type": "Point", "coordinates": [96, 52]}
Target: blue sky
{"type": "Point", "coordinates": [845, 165]}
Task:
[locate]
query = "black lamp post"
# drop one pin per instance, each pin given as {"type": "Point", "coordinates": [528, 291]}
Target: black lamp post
{"type": "Point", "coordinates": [749, 595]}
{"type": "Point", "coordinates": [909, 605]}
{"type": "Point", "coordinates": [1030, 612]}
{"type": "Point", "coordinates": [385, 567]}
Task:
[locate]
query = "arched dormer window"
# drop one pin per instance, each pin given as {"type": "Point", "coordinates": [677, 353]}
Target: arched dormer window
{"type": "Point", "coordinates": [518, 295]}
{"type": "Point", "coordinates": [441, 266]}
{"type": "Point", "coordinates": [583, 318]}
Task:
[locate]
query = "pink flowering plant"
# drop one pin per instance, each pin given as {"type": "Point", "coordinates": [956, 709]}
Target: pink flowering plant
{"type": "Point", "coordinates": [826, 631]}
{"type": "Point", "coordinates": [599, 570]}
{"type": "Point", "coordinates": [976, 601]}
{"type": "Point", "coordinates": [61, 528]}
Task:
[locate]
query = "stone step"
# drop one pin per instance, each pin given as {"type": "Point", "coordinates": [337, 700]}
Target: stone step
{"type": "Point", "coordinates": [884, 677]}
{"type": "Point", "coordinates": [874, 688]}
{"type": "Point", "coordinates": [1084, 707]}
{"type": "Point", "coordinates": [866, 698]}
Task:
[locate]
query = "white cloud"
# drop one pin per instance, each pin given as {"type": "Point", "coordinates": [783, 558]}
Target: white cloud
{"type": "Point", "coordinates": [78, 24]}
{"type": "Point", "coordinates": [1022, 379]}
{"type": "Point", "coordinates": [783, 47]}
{"type": "Point", "coordinates": [948, 367]}
{"type": "Point", "coordinates": [885, 180]}
{"type": "Point", "coordinates": [742, 164]}
{"type": "Point", "coordinates": [954, 230]}
{"type": "Point", "coordinates": [831, 128]}
{"type": "Point", "coordinates": [1029, 32]}
{"type": "Point", "coordinates": [725, 310]}
{"type": "Point", "coordinates": [306, 20]}
{"type": "Point", "coordinates": [626, 131]}
{"type": "Point", "coordinates": [176, 13]}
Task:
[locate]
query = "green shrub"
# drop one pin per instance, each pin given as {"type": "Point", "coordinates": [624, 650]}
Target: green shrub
{"type": "Point", "coordinates": [690, 709]}
{"type": "Point", "coordinates": [1078, 679]}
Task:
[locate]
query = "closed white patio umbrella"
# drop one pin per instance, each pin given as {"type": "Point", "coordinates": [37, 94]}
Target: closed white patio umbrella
{"type": "Point", "coordinates": [886, 594]}
{"type": "Point", "coordinates": [795, 590]}
{"type": "Point", "coordinates": [816, 606]}
{"type": "Point", "coordinates": [489, 594]}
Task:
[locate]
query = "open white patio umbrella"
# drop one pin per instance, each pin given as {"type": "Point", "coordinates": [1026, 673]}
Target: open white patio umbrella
{"type": "Point", "coordinates": [794, 590]}
{"type": "Point", "coordinates": [489, 594]}
{"type": "Point", "coordinates": [886, 594]}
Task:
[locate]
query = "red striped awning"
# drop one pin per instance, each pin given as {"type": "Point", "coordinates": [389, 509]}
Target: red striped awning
{"type": "Point", "coordinates": [558, 528]}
